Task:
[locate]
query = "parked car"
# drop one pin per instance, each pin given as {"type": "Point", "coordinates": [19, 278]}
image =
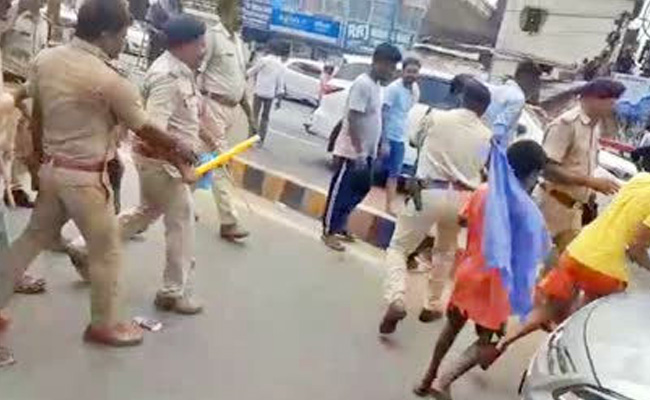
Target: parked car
{"type": "Point", "coordinates": [601, 353]}
{"type": "Point", "coordinates": [302, 80]}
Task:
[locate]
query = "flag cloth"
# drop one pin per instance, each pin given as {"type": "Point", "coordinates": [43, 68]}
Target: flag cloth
{"type": "Point", "coordinates": [515, 238]}
{"type": "Point", "coordinates": [205, 182]}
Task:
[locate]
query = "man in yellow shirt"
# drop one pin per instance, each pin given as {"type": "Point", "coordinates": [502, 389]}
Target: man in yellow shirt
{"type": "Point", "coordinates": [595, 262]}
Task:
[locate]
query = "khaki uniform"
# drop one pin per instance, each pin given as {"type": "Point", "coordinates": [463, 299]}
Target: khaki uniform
{"type": "Point", "coordinates": [571, 141]}
{"type": "Point", "coordinates": [223, 81]}
{"type": "Point", "coordinates": [26, 38]}
{"type": "Point", "coordinates": [82, 99]}
{"type": "Point", "coordinates": [173, 102]}
{"type": "Point", "coordinates": [455, 149]}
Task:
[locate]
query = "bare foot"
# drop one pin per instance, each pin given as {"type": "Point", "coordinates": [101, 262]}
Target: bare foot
{"type": "Point", "coordinates": [439, 393]}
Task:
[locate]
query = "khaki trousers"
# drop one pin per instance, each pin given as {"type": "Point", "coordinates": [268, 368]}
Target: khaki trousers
{"type": "Point", "coordinates": [85, 198]}
{"type": "Point", "coordinates": [222, 188]}
{"type": "Point", "coordinates": [162, 193]}
{"type": "Point", "coordinates": [440, 209]}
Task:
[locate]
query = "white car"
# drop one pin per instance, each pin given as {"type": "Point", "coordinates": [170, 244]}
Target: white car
{"type": "Point", "coordinates": [600, 353]}
{"type": "Point", "coordinates": [302, 80]}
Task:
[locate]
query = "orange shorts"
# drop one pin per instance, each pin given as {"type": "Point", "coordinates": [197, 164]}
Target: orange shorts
{"type": "Point", "coordinates": [569, 275]}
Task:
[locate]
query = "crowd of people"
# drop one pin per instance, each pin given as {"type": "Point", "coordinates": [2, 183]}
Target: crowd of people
{"type": "Point", "coordinates": [527, 254]}
{"type": "Point", "coordinates": [538, 252]}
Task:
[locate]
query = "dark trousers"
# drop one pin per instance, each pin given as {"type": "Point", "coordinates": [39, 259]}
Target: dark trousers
{"type": "Point", "coordinates": [350, 185]}
{"type": "Point", "coordinates": [263, 105]}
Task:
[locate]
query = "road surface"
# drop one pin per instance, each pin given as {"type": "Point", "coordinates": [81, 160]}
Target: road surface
{"type": "Point", "coordinates": [285, 319]}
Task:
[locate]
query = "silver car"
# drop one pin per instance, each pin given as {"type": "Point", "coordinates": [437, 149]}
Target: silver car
{"type": "Point", "coordinates": [601, 353]}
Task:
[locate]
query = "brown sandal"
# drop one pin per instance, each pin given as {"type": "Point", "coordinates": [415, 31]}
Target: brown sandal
{"type": "Point", "coordinates": [30, 285]}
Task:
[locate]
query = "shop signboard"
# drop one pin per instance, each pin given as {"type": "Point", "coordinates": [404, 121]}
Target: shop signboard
{"type": "Point", "coordinates": [304, 25]}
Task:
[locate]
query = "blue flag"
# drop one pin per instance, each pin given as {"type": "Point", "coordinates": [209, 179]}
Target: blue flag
{"type": "Point", "coordinates": [205, 182]}
{"type": "Point", "coordinates": [515, 239]}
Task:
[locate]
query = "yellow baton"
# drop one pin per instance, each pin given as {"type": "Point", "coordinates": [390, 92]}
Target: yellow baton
{"type": "Point", "coordinates": [221, 159]}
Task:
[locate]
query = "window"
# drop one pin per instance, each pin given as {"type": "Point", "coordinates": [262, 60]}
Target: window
{"type": "Point", "coordinates": [305, 69]}
{"type": "Point", "coordinates": [382, 13]}
{"type": "Point", "coordinates": [350, 72]}
{"type": "Point", "coordinates": [434, 92]}
{"type": "Point", "coordinates": [359, 10]}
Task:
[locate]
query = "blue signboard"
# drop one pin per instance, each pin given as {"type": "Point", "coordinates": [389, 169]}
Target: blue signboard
{"type": "Point", "coordinates": [256, 14]}
{"type": "Point", "coordinates": [304, 25]}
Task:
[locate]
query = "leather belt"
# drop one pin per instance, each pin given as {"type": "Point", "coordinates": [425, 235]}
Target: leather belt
{"type": "Point", "coordinates": [563, 198]}
{"type": "Point", "coordinates": [442, 184]}
{"type": "Point", "coordinates": [221, 99]}
{"type": "Point", "coordinates": [68, 163]}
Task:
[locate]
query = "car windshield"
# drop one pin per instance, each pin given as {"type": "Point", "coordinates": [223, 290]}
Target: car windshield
{"type": "Point", "coordinates": [434, 92]}
{"type": "Point", "coordinates": [350, 72]}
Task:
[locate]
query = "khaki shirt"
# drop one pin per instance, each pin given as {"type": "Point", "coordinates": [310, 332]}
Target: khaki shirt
{"type": "Point", "coordinates": [172, 98]}
{"type": "Point", "coordinates": [82, 99]}
{"type": "Point", "coordinates": [224, 69]}
{"type": "Point", "coordinates": [455, 148]}
{"type": "Point", "coordinates": [175, 104]}
{"type": "Point", "coordinates": [571, 140]}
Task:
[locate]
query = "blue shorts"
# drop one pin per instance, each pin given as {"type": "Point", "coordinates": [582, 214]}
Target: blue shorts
{"type": "Point", "coordinates": [393, 162]}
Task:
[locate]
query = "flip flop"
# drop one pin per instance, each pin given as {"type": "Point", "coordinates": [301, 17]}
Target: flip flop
{"type": "Point", "coordinates": [30, 285]}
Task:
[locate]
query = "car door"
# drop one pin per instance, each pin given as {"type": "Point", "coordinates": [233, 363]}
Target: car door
{"type": "Point", "coordinates": [302, 81]}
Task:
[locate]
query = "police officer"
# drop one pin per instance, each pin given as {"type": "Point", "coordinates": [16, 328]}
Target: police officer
{"type": "Point", "coordinates": [223, 82]}
{"type": "Point", "coordinates": [80, 99]}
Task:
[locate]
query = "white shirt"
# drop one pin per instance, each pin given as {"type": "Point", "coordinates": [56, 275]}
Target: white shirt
{"type": "Point", "coordinates": [364, 99]}
{"type": "Point", "coordinates": [268, 73]}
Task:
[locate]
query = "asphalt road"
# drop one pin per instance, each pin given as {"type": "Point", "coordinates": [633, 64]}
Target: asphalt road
{"type": "Point", "coordinates": [285, 319]}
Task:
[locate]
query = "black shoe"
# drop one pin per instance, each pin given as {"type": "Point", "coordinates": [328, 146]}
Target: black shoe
{"type": "Point", "coordinates": [395, 313]}
{"type": "Point", "coordinates": [428, 316]}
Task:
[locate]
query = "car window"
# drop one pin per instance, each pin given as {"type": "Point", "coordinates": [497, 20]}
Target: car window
{"type": "Point", "coordinates": [305, 69]}
{"type": "Point", "coordinates": [434, 92]}
{"type": "Point", "coordinates": [351, 71]}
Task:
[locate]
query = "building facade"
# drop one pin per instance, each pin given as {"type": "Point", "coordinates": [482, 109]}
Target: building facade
{"type": "Point", "coordinates": [557, 32]}
{"type": "Point", "coordinates": [351, 25]}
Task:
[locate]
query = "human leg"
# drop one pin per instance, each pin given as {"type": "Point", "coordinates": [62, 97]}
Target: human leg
{"type": "Point", "coordinates": [91, 208]}
{"type": "Point", "coordinates": [455, 323]}
{"type": "Point", "coordinates": [263, 122]}
{"type": "Point", "coordinates": [338, 197]}
{"type": "Point", "coordinates": [393, 165]}
{"type": "Point", "coordinates": [440, 278]}
{"type": "Point", "coordinates": [177, 292]}
{"type": "Point", "coordinates": [411, 228]}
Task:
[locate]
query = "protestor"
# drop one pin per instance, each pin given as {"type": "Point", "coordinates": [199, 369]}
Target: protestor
{"type": "Point", "coordinates": [399, 97]}
{"type": "Point", "coordinates": [80, 99]}
{"type": "Point", "coordinates": [268, 74]}
{"type": "Point", "coordinates": [356, 146]}
{"type": "Point", "coordinates": [594, 264]}
{"type": "Point", "coordinates": [495, 274]}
